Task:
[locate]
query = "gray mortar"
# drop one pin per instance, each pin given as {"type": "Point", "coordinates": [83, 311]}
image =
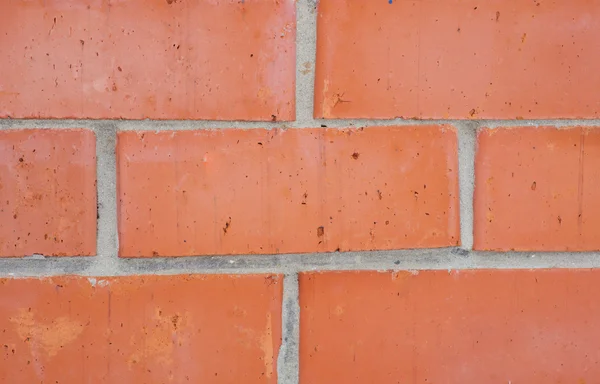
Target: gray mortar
{"type": "Point", "coordinates": [409, 259]}
{"type": "Point", "coordinates": [288, 360]}
{"type": "Point", "coordinates": [107, 262]}
{"type": "Point", "coordinates": [466, 175]}
{"type": "Point", "coordinates": [107, 239]}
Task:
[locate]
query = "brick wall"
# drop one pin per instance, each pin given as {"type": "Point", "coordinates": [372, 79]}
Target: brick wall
{"type": "Point", "coordinates": [272, 191]}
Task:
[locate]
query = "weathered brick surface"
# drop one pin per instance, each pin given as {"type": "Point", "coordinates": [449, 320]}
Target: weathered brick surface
{"type": "Point", "coordinates": [47, 192]}
{"type": "Point", "coordinates": [470, 326]}
{"type": "Point", "coordinates": [280, 191]}
{"type": "Point", "coordinates": [457, 59]}
{"type": "Point", "coordinates": [140, 329]}
{"type": "Point", "coordinates": [159, 59]}
{"type": "Point", "coordinates": [349, 194]}
{"type": "Point", "coordinates": [537, 188]}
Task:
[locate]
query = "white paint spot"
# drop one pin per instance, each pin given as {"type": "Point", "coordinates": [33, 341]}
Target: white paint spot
{"type": "Point", "coordinates": [100, 85]}
{"type": "Point", "coordinates": [100, 283]}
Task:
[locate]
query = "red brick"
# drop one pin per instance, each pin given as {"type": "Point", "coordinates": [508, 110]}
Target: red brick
{"type": "Point", "coordinates": [159, 59]}
{"type": "Point", "coordinates": [47, 192]}
{"type": "Point", "coordinates": [475, 326]}
{"type": "Point", "coordinates": [239, 191]}
{"type": "Point", "coordinates": [140, 329]}
{"type": "Point", "coordinates": [457, 59]}
{"type": "Point", "coordinates": [537, 188]}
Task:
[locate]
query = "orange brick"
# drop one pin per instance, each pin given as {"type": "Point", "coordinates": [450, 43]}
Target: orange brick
{"type": "Point", "coordinates": [47, 192]}
{"type": "Point", "coordinates": [239, 191]}
{"type": "Point", "coordinates": [159, 59]}
{"type": "Point", "coordinates": [458, 59]}
{"type": "Point", "coordinates": [476, 326]}
{"type": "Point", "coordinates": [537, 188]}
{"type": "Point", "coordinates": [141, 329]}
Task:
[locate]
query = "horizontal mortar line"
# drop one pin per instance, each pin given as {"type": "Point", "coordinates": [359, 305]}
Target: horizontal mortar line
{"type": "Point", "coordinates": [176, 125]}
{"type": "Point", "coordinates": [416, 259]}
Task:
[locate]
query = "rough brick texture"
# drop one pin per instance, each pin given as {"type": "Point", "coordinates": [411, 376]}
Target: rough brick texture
{"type": "Point", "coordinates": [140, 329]}
{"type": "Point", "coordinates": [280, 191]}
{"type": "Point", "coordinates": [484, 326]}
{"type": "Point", "coordinates": [47, 192]}
{"type": "Point", "coordinates": [537, 188]}
{"type": "Point", "coordinates": [217, 189]}
{"type": "Point", "coordinates": [160, 59]}
{"type": "Point", "coordinates": [457, 59]}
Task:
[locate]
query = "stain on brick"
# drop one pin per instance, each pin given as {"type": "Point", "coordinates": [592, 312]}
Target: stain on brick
{"type": "Point", "coordinates": [47, 337]}
{"type": "Point", "coordinates": [133, 329]}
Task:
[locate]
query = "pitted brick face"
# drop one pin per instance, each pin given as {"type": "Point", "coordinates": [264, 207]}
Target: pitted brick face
{"type": "Point", "coordinates": [157, 59]}
{"type": "Point", "coordinates": [299, 192]}
{"type": "Point", "coordinates": [287, 191]}
{"type": "Point", "coordinates": [141, 328]}
{"type": "Point", "coordinates": [47, 192]}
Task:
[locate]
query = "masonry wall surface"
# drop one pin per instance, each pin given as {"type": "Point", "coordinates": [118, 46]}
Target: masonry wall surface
{"type": "Point", "coordinates": [495, 267]}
